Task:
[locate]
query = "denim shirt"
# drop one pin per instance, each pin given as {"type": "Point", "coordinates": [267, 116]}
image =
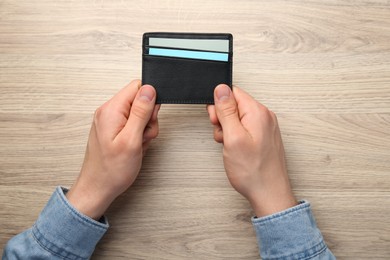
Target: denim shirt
{"type": "Point", "coordinates": [61, 232]}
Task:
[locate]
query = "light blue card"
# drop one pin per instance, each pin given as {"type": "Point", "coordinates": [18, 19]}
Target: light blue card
{"type": "Point", "coordinates": [201, 55]}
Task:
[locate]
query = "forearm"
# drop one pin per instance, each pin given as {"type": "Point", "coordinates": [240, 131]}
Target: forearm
{"type": "Point", "coordinates": [291, 234]}
{"type": "Point", "coordinates": [61, 232]}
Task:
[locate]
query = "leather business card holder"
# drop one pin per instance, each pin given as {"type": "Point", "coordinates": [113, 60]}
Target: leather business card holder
{"type": "Point", "coordinates": [184, 68]}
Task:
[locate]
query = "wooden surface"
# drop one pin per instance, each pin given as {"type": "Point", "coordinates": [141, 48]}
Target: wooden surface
{"type": "Point", "coordinates": [322, 66]}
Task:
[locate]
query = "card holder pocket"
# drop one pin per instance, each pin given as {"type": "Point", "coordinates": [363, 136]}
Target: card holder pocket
{"type": "Point", "coordinates": [183, 80]}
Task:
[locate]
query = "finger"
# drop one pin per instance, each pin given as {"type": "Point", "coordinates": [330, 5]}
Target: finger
{"type": "Point", "coordinates": [253, 115]}
{"type": "Point", "coordinates": [226, 110]}
{"type": "Point", "coordinates": [111, 117]}
{"type": "Point", "coordinates": [212, 114]}
{"type": "Point", "coordinates": [124, 98]}
{"type": "Point", "coordinates": [151, 130]}
{"type": "Point", "coordinates": [218, 134]}
{"type": "Point", "coordinates": [155, 112]}
{"type": "Point", "coordinates": [140, 114]}
{"type": "Point", "coordinates": [245, 102]}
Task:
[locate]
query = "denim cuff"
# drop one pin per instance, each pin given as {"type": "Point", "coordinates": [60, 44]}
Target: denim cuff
{"type": "Point", "coordinates": [290, 234]}
{"type": "Point", "coordinates": [64, 231]}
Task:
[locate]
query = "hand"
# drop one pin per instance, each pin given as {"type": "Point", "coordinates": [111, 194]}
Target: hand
{"type": "Point", "coordinates": [253, 152]}
{"type": "Point", "coordinates": [121, 132]}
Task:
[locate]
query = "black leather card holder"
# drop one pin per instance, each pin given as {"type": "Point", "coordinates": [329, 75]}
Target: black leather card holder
{"type": "Point", "coordinates": [184, 68]}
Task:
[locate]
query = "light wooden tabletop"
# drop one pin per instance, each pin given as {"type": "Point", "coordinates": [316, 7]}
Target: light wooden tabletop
{"type": "Point", "coordinates": [323, 66]}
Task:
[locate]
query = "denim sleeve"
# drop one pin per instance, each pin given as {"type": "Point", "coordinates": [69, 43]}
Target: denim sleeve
{"type": "Point", "coordinates": [291, 234]}
{"type": "Point", "coordinates": [61, 232]}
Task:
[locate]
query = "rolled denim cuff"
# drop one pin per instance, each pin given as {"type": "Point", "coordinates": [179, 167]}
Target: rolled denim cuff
{"type": "Point", "coordinates": [290, 234]}
{"type": "Point", "coordinates": [64, 231]}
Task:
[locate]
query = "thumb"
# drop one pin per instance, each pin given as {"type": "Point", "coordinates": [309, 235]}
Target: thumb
{"type": "Point", "coordinates": [140, 113]}
{"type": "Point", "coordinates": [226, 109]}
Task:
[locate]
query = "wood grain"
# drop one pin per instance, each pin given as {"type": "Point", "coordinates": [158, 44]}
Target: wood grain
{"type": "Point", "coordinates": [322, 66]}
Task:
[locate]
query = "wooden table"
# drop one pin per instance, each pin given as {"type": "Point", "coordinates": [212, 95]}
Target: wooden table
{"type": "Point", "coordinates": [322, 66]}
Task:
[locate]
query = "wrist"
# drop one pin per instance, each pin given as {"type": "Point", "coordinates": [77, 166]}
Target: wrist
{"type": "Point", "coordinates": [87, 201]}
{"type": "Point", "coordinates": [270, 203]}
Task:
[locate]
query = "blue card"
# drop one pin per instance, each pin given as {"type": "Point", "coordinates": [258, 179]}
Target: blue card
{"type": "Point", "coordinates": [189, 54]}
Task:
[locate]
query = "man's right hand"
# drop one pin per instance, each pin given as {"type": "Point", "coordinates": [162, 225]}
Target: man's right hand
{"type": "Point", "coordinates": [121, 132]}
{"type": "Point", "coordinates": [253, 152]}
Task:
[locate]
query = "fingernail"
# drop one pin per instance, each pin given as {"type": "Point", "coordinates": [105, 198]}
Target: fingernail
{"type": "Point", "coordinates": [146, 93]}
{"type": "Point", "coordinates": [223, 92]}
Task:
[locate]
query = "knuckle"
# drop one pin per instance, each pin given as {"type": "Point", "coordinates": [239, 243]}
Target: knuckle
{"type": "Point", "coordinates": [100, 111]}
{"type": "Point", "coordinates": [155, 132]}
{"type": "Point", "coordinates": [274, 117]}
{"type": "Point", "coordinates": [97, 116]}
{"type": "Point", "coordinates": [265, 114]}
{"type": "Point", "coordinates": [152, 132]}
{"type": "Point", "coordinates": [262, 109]}
{"type": "Point", "coordinates": [134, 147]}
{"type": "Point", "coordinates": [228, 110]}
{"type": "Point", "coordinates": [125, 146]}
{"type": "Point", "coordinates": [218, 136]}
{"type": "Point", "coordinates": [235, 141]}
{"type": "Point", "coordinates": [140, 111]}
